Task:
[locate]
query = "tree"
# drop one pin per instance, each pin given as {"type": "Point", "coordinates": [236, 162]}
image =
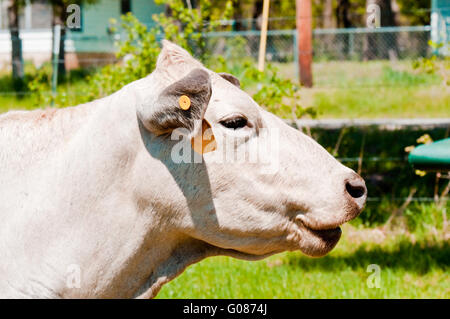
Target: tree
{"type": "Point", "coordinates": [59, 17]}
{"type": "Point", "coordinates": [327, 15]}
{"type": "Point", "coordinates": [416, 11]}
{"type": "Point", "coordinates": [342, 14]}
{"type": "Point", "coordinates": [16, 42]}
{"type": "Point", "coordinates": [387, 14]}
{"type": "Point", "coordinates": [187, 23]}
{"type": "Point", "coordinates": [381, 46]}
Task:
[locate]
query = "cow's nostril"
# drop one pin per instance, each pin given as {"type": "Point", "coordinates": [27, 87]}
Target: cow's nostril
{"type": "Point", "coordinates": [356, 190]}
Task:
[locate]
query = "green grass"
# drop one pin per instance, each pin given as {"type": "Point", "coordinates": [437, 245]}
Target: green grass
{"type": "Point", "coordinates": [407, 270]}
{"type": "Point", "coordinates": [9, 102]}
{"type": "Point", "coordinates": [347, 74]}
{"type": "Point", "coordinates": [382, 102]}
{"type": "Point", "coordinates": [413, 255]}
{"type": "Point", "coordinates": [74, 85]}
{"type": "Point", "coordinates": [374, 89]}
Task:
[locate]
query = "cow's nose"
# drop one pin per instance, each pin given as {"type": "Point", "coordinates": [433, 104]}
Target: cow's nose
{"type": "Point", "coordinates": [356, 188]}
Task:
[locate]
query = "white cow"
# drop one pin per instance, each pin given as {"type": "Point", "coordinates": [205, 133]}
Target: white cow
{"type": "Point", "coordinates": [94, 201]}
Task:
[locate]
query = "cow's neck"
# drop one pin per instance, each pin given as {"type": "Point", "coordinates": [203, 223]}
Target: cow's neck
{"type": "Point", "coordinates": [184, 253]}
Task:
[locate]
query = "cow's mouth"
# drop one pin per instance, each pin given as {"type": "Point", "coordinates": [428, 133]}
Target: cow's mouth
{"type": "Point", "coordinates": [318, 241]}
{"type": "Point", "coordinates": [328, 233]}
{"type": "Point", "coordinates": [314, 225]}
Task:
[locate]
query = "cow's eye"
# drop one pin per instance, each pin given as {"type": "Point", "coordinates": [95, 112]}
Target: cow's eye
{"type": "Point", "coordinates": [235, 122]}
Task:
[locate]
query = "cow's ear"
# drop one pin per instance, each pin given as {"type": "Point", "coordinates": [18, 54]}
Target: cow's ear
{"type": "Point", "coordinates": [231, 78]}
{"type": "Point", "coordinates": [174, 60]}
{"type": "Point", "coordinates": [180, 105]}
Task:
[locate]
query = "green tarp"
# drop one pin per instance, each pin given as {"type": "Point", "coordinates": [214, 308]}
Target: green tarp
{"type": "Point", "coordinates": [434, 156]}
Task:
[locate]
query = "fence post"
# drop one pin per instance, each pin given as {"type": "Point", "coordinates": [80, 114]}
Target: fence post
{"type": "Point", "coordinates": [294, 36]}
{"type": "Point", "coordinates": [263, 38]}
{"type": "Point", "coordinates": [351, 44]}
{"type": "Point", "coordinates": [304, 30]}
{"type": "Point", "coordinates": [17, 57]}
{"type": "Point", "coordinates": [56, 43]}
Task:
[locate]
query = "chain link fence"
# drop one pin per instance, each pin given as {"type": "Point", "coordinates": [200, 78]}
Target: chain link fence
{"type": "Point", "coordinates": [357, 44]}
{"type": "Point", "coordinates": [353, 44]}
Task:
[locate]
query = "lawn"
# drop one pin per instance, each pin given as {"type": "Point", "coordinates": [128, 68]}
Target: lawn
{"type": "Point", "coordinates": [374, 89]}
{"type": "Point", "coordinates": [391, 102]}
{"type": "Point", "coordinates": [409, 268]}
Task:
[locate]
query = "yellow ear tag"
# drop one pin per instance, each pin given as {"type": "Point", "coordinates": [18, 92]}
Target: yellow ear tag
{"type": "Point", "coordinates": [185, 102]}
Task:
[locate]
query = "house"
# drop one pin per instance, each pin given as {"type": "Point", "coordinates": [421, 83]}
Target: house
{"type": "Point", "coordinates": [90, 44]}
{"type": "Point", "coordinates": [440, 24]}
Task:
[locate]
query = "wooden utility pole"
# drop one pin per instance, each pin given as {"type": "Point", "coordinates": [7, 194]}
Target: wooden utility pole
{"type": "Point", "coordinates": [263, 38]}
{"type": "Point", "coordinates": [304, 36]}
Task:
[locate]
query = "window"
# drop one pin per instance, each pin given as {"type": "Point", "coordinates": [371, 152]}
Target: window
{"type": "Point", "coordinates": [36, 14]}
{"type": "Point", "coordinates": [125, 6]}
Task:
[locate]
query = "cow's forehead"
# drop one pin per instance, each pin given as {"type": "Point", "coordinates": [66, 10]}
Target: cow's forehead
{"type": "Point", "coordinates": [226, 98]}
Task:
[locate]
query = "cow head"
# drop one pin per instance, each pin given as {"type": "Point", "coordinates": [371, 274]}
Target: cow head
{"type": "Point", "coordinates": [253, 186]}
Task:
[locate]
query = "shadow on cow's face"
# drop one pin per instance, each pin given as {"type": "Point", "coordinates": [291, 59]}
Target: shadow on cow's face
{"type": "Point", "coordinates": [264, 187]}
